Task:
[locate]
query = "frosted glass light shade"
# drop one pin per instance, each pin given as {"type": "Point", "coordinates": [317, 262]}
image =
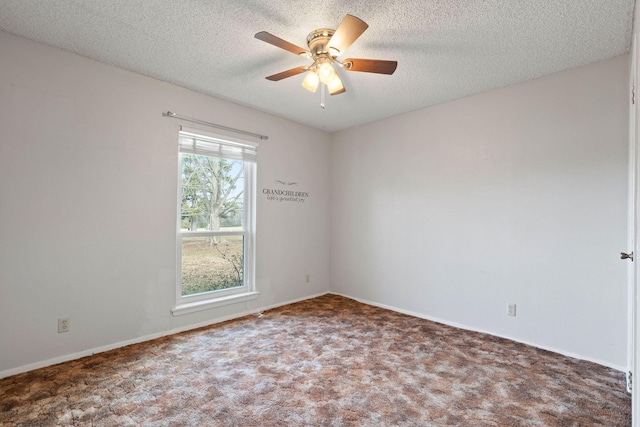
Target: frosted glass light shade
{"type": "Point", "coordinates": [335, 85]}
{"type": "Point", "coordinates": [311, 82]}
{"type": "Point", "coordinates": [326, 72]}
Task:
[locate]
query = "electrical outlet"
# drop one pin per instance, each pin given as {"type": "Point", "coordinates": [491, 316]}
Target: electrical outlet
{"type": "Point", "coordinates": [307, 278]}
{"type": "Point", "coordinates": [64, 324]}
{"type": "Point", "coordinates": [511, 309]}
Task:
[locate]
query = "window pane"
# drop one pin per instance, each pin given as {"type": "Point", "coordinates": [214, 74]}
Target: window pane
{"type": "Point", "coordinates": [212, 193]}
{"type": "Point", "coordinates": [212, 263]}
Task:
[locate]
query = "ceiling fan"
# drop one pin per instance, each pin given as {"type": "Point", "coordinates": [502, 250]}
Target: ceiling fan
{"type": "Point", "coordinates": [325, 45]}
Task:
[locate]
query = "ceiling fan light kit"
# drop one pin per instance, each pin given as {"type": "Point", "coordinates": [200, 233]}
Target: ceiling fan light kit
{"type": "Point", "coordinates": [325, 45]}
{"type": "Point", "coordinates": [311, 81]}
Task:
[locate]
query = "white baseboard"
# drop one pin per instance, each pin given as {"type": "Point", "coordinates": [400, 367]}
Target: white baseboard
{"type": "Point", "coordinates": [101, 349]}
{"type": "Point", "coordinates": [84, 353]}
{"type": "Point", "coordinates": [469, 328]}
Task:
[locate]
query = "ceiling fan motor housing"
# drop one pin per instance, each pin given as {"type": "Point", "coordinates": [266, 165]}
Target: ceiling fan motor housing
{"type": "Point", "coordinates": [317, 41]}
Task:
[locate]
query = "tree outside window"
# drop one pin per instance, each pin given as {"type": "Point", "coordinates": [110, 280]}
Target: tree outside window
{"type": "Point", "coordinates": [213, 230]}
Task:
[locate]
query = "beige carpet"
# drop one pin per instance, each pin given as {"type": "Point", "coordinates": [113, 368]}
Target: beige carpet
{"type": "Point", "coordinates": [329, 361]}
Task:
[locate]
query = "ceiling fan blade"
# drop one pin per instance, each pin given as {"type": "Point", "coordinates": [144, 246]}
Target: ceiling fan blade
{"type": "Point", "coordinates": [288, 73]}
{"type": "Point", "coordinates": [282, 44]}
{"type": "Point", "coordinates": [370, 65]}
{"type": "Point", "coordinates": [348, 31]}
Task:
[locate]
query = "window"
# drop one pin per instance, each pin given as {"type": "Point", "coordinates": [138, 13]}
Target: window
{"type": "Point", "coordinates": [215, 220]}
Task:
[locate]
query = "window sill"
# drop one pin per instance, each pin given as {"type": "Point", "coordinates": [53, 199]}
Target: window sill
{"type": "Point", "coordinates": [196, 306]}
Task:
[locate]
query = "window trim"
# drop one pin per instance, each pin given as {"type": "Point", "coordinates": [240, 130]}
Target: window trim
{"type": "Point", "coordinates": [195, 306]}
{"type": "Point", "coordinates": [191, 303]}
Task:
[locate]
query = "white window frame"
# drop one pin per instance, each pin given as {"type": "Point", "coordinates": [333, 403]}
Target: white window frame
{"type": "Point", "coordinates": [231, 148]}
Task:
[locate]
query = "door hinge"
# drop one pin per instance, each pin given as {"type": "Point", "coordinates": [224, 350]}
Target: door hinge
{"type": "Point", "coordinates": [633, 95]}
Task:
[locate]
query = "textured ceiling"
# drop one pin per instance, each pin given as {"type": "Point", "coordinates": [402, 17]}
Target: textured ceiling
{"type": "Point", "coordinates": [446, 49]}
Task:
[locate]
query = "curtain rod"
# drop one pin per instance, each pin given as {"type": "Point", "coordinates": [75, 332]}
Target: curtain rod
{"type": "Point", "coordinates": [189, 119]}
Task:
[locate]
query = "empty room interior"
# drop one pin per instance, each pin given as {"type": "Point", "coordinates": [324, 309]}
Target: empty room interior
{"type": "Point", "coordinates": [302, 213]}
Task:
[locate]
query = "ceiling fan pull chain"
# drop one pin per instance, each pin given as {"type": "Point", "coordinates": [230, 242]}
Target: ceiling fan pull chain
{"type": "Point", "coordinates": [322, 96]}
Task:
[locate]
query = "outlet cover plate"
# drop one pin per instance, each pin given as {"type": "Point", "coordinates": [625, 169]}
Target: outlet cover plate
{"type": "Point", "coordinates": [64, 324]}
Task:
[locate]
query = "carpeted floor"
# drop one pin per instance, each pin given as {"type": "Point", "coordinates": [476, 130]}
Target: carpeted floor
{"type": "Point", "coordinates": [329, 361]}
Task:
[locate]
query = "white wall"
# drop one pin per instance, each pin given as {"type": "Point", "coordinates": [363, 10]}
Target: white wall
{"type": "Point", "coordinates": [88, 170]}
{"type": "Point", "coordinates": [515, 195]}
